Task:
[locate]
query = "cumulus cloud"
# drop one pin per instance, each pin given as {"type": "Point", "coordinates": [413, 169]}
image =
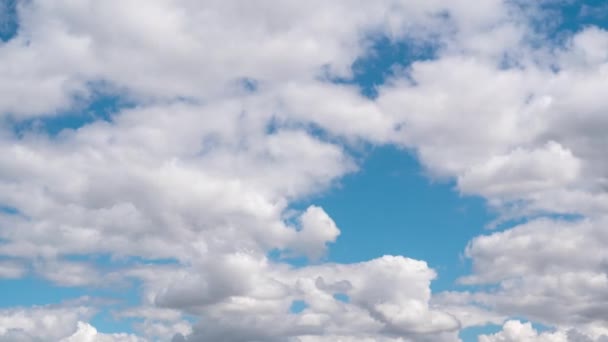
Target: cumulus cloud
{"type": "Point", "coordinates": [527, 141]}
{"type": "Point", "coordinates": [388, 299]}
{"type": "Point", "coordinates": [522, 120]}
{"type": "Point", "coordinates": [202, 169]}
{"type": "Point", "coordinates": [316, 229]}
{"type": "Point", "coordinates": [87, 333]}
{"type": "Point", "coordinates": [233, 117]}
{"type": "Point", "coordinates": [63, 322]}
{"type": "Point", "coordinates": [524, 332]}
{"type": "Point", "coordinates": [520, 172]}
{"type": "Point", "coordinates": [550, 271]}
{"type": "Point", "coordinates": [518, 331]}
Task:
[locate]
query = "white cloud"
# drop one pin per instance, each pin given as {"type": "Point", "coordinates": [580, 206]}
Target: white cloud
{"type": "Point", "coordinates": [61, 322]}
{"type": "Point", "coordinates": [317, 229]}
{"type": "Point", "coordinates": [468, 117]}
{"type": "Point", "coordinates": [516, 331]}
{"type": "Point", "coordinates": [388, 299]}
{"type": "Point", "coordinates": [521, 172]}
{"type": "Point", "coordinates": [202, 180]}
{"type": "Point", "coordinates": [523, 332]}
{"type": "Point", "coordinates": [202, 171]}
{"type": "Point", "coordinates": [87, 333]}
{"type": "Point", "coordinates": [167, 50]}
{"type": "Point", "coordinates": [547, 270]}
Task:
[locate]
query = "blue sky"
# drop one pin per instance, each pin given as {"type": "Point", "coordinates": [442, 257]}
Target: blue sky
{"type": "Point", "coordinates": [303, 172]}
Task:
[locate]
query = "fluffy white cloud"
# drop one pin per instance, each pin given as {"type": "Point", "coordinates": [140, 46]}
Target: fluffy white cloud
{"type": "Point", "coordinates": [87, 333]}
{"type": "Point", "coordinates": [227, 96]}
{"type": "Point", "coordinates": [522, 332]}
{"type": "Point", "coordinates": [528, 141]}
{"type": "Point", "coordinates": [57, 323]}
{"type": "Point", "coordinates": [520, 172]}
{"type": "Point", "coordinates": [525, 133]}
{"type": "Point", "coordinates": [516, 331]}
{"type": "Point", "coordinates": [548, 270]}
{"type": "Point", "coordinates": [386, 299]}
{"type": "Point", "coordinates": [195, 173]}
{"type": "Point", "coordinates": [168, 50]}
{"type": "Point", "coordinates": [40, 323]}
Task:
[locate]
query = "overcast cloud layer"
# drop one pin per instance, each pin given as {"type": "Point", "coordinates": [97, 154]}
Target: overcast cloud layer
{"type": "Point", "coordinates": [229, 112]}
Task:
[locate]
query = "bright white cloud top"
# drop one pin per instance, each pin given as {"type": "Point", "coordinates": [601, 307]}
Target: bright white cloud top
{"type": "Point", "coordinates": [230, 113]}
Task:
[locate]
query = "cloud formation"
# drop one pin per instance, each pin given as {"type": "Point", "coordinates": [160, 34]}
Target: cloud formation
{"type": "Point", "coordinates": [229, 113]}
{"type": "Point", "coordinates": [524, 332]}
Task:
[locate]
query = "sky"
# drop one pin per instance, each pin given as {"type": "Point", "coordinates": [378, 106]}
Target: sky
{"type": "Point", "coordinates": [303, 171]}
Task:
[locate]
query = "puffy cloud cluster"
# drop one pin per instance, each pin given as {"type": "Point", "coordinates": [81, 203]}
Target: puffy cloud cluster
{"type": "Point", "coordinates": [527, 137]}
{"type": "Point", "coordinates": [516, 331]}
{"type": "Point", "coordinates": [202, 169]}
{"type": "Point", "coordinates": [56, 323]}
{"type": "Point", "coordinates": [87, 333]}
{"type": "Point", "coordinates": [529, 134]}
{"type": "Point", "coordinates": [230, 116]}
{"type": "Point", "coordinates": [550, 271]}
{"type": "Point", "coordinates": [383, 297]}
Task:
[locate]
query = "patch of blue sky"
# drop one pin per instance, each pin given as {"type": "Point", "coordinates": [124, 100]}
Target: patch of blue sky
{"type": "Point", "coordinates": [8, 210]}
{"type": "Point", "coordinates": [471, 334]}
{"type": "Point", "coordinates": [572, 16]}
{"type": "Point", "coordinates": [341, 297]}
{"type": "Point", "coordinates": [100, 107]}
{"type": "Point", "coordinates": [107, 319]}
{"type": "Point", "coordinates": [558, 20]}
{"type": "Point", "coordinates": [507, 223]}
{"type": "Point", "coordinates": [32, 290]}
{"type": "Point", "coordinates": [384, 57]}
{"type": "Point", "coordinates": [108, 322]}
{"type": "Point", "coordinates": [9, 23]}
{"type": "Point", "coordinates": [298, 306]}
{"type": "Point", "coordinates": [391, 207]}
{"type": "Point", "coordinates": [249, 84]}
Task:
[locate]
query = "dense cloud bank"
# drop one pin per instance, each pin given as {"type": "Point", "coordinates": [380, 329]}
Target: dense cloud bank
{"type": "Point", "coordinates": [225, 113]}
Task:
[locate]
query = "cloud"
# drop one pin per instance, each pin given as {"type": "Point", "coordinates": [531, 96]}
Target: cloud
{"type": "Point", "coordinates": [63, 322]}
{"type": "Point", "coordinates": [184, 53]}
{"type": "Point", "coordinates": [388, 299]}
{"type": "Point", "coordinates": [521, 172]}
{"type": "Point", "coordinates": [87, 333]}
{"type": "Point", "coordinates": [12, 270]}
{"type": "Point", "coordinates": [547, 270]}
{"type": "Point", "coordinates": [316, 229]}
{"type": "Point", "coordinates": [523, 116]}
{"type": "Point", "coordinates": [518, 331]}
{"type": "Point", "coordinates": [202, 171]}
